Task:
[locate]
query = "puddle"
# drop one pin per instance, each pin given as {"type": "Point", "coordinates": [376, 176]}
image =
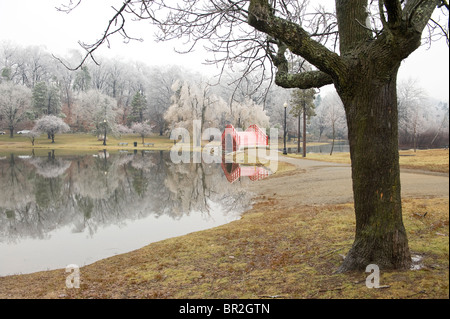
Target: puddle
{"type": "Point", "coordinates": [416, 262]}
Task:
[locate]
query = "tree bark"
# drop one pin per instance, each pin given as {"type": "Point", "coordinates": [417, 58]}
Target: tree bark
{"type": "Point", "coordinates": [372, 118]}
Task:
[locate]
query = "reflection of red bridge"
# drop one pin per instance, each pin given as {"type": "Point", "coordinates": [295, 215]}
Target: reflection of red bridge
{"type": "Point", "coordinates": [232, 140]}
{"type": "Point", "coordinates": [233, 171]}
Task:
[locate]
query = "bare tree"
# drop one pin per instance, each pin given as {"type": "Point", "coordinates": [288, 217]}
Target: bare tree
{"type": "Point", "coordinates": [358, 48]}
{"type": "Point", "coordinates": [32, 135]}
{"type": "Point", "coordinates": [411, 100]}
{"type": "Point", "coordinates": [443, 123]}
{"type": "Point", "coordinates": [334, 112]}
{"type": "Point", "coordinates": [160, 90]}
{"type": "Point", "coordinates": [303, 106]}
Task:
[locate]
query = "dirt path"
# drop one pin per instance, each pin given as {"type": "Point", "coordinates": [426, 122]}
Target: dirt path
{"type": "Point", "coordinates": [330, 183]}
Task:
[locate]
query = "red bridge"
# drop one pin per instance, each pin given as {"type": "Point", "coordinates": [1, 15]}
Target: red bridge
{"type": "Point", "coordinates": [232, 140]}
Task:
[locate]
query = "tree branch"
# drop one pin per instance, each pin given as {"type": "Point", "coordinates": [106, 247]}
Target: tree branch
{"type": "Point", "coordinates": [304, 80]}
{"type": "Point", "coordinates": [394, 11]}
{"type": "Point", "coordinates": [298, 41]}
{"type": "Point", "coordinates": [91, 48]}
{"type": "Point", "coordinates": [418, 13]}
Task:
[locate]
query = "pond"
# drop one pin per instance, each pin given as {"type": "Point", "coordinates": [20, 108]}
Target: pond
{"type": "Point", "coordinates": [339, 147]}
{"type": "Point", "coordinates": [61, 210]}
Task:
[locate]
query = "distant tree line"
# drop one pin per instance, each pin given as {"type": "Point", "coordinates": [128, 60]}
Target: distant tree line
{"type": "Point", "coordinates": [115, 95]}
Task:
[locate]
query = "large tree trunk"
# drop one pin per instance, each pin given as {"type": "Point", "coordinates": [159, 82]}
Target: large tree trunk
{"type": "Point", "coordinates": [372, 118]}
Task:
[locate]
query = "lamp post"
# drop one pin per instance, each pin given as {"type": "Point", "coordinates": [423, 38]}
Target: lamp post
{"type": "Point", "coordinates": [104, 136]}
{"type": "Point", "coordinates": [285, 120]}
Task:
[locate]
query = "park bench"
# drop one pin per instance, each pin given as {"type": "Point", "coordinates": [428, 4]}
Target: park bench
{"type": "Point", "coordinates": [123, 144]}
{"type": "Point", "coordinates": [149, 144]}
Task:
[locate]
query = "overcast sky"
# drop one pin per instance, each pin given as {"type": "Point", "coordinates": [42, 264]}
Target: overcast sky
{"type": "Point", "coordinates": [37, 22]}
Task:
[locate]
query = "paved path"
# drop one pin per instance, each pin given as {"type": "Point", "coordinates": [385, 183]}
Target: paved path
{"type": "Point", "coordinates": [329, 183]}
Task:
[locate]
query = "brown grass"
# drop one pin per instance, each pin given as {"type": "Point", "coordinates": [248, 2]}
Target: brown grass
{"type": "Point", "coordinates": [436, 160]}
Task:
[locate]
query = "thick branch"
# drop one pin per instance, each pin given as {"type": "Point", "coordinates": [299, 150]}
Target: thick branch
{"type": "Point", "coordinates": [304, 80]}
{"type": "Point", "coordinates": [298, 41]}
{"type": "Point", "coordinates": [355, 29]}
{"type": "Point", "coordinates": [394, 11]}
{"type": "Point", "coordinates": [418, 13]}
{"type": "Point", "coordinates": [400, 36]}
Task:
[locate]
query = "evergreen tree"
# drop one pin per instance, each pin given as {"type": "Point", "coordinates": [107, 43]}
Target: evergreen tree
{"type": "Point", "coordinates": [138, 106]}
{"type": "Point", "coordinates": [46, 100]}
{"type": "Point", "coordinates": [53, 101]}
{"type": "Point", "coordinates": [6, 74]}
{"type": "Point", "coordinates": [82, 80]}
{"type": "Point", "coordinates": [40, 92]}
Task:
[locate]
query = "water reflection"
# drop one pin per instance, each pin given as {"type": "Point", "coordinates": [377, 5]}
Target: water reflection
{"type": "Point", "coordinates": [339, 147]}
{"type": "Point", "coordinates": [105, 202]}
{"type": "Point", "coordinates": [234, 171]}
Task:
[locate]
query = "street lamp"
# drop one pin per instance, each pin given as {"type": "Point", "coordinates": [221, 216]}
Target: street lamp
{"type": "Point", "coordinates": [285, 119]}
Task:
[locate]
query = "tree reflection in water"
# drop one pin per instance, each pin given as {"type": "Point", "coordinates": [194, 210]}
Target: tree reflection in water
{"type": "Point", "coordinates": [40, 195]}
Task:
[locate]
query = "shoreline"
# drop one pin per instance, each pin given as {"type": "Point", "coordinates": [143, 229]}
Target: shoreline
{"type": "Point", "coordinates": [286, 246]}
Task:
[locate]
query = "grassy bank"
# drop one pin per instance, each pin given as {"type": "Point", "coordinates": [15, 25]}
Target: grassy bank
{"type": "Point", "coordinates": [82, 142]}
{"type": "Point", "coordinates": [436, 160]}
{"type": "Point", "coordinates": [272, 252]}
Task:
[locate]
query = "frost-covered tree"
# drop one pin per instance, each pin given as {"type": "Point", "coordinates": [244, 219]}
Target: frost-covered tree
{"type": "Point", "coordinates": [15, 104]}
{"type": "Point", "coordinates": [247, 113]}
{"type": "Point", "coordinates": [142, 129]}
{"type": "Point", "coordinates": [93, 108]}
{"type": "Point", "coordinates": [122, 129]}
{"type": "Point", "coordinates": [412, 110]}
{"type": "Point", "coordinates": [32, 135]}
{"type": "Point", "coordinates": [36, 65]}
{"type": "Point", "coordinates": [190, 102]}
{"type": "Point", "coordinates": [51, 125]}
{"type": "Point", "coordinates": [160, 91]}
{"type": "Point", "coordinates": [333, 110]}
